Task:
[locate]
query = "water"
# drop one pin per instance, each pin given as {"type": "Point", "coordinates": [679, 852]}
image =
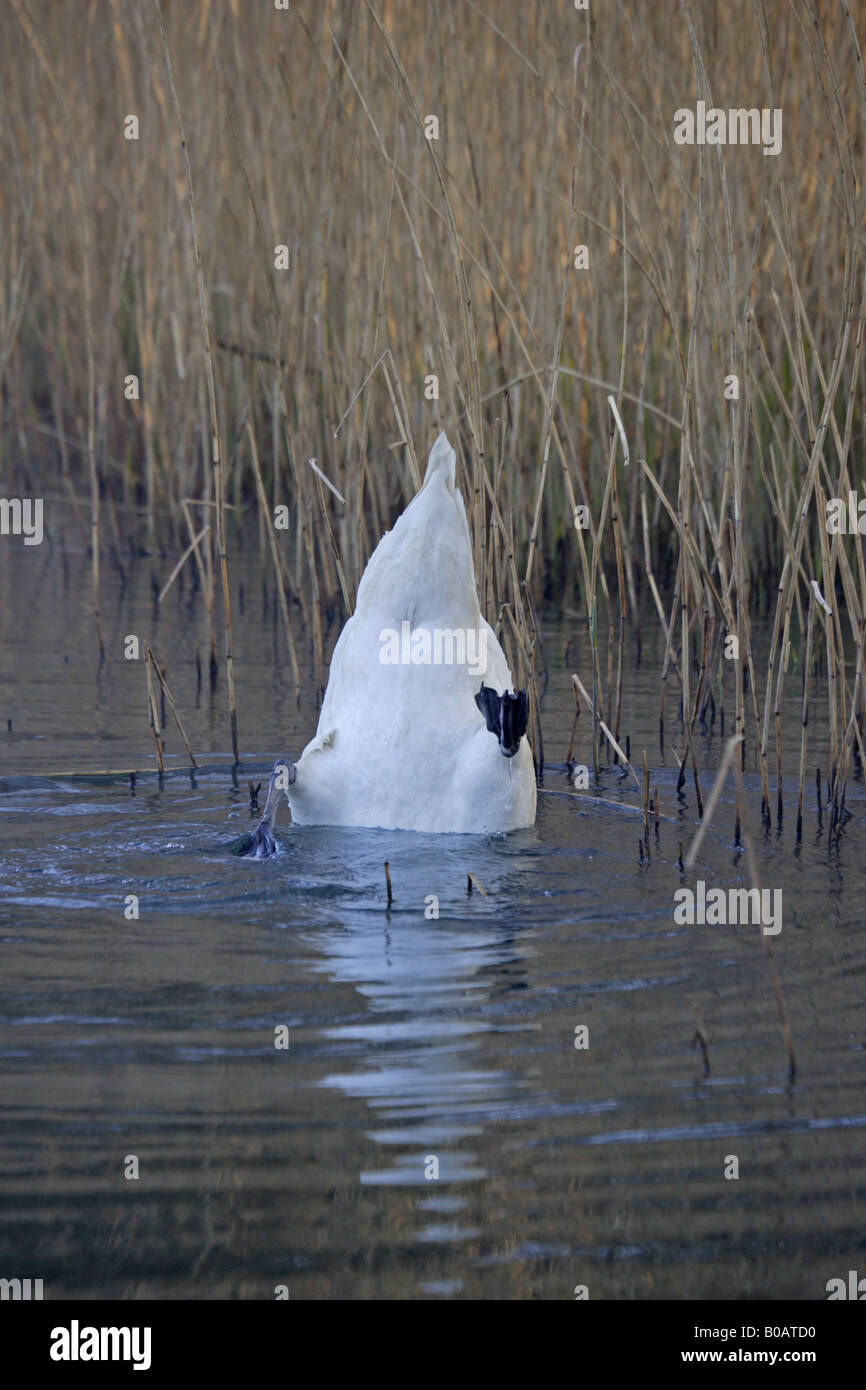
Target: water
{"type": "Point", "coordinates": [410, 1038]}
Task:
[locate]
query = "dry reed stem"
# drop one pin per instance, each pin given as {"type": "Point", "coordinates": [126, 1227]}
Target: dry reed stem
{"type": "Point", "coordinates": [153, 711]}
{"type": "Point", "coordinates": [160, 676]}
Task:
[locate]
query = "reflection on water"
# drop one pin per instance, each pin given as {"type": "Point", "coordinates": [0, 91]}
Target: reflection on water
{"type": "Point", "coordinates": [420, 1073]}
{"type": "Point", "coordinates": [431, 1130]}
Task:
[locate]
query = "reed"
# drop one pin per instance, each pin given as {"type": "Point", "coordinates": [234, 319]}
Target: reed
{"type": "Point", "coordinates": [153, 711]}
{"type": "Point", "coordinates": [412, 258]}
{"type": "Point", "coordinates": [154, 669]}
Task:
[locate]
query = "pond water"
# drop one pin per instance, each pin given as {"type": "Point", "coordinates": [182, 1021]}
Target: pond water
{"type": "Point", "coordinates": [415, 1044]}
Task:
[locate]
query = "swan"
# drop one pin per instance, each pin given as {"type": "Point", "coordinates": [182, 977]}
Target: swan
{"type": "Point", "coordinates": [420, 727]}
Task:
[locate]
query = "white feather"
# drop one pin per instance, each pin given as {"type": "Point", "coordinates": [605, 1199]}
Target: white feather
{"type": "Point", "coordinates": [404, 746]}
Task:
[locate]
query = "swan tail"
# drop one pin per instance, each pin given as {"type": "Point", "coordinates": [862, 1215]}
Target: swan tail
{"type": "Point", "coordinates": [442, 460]}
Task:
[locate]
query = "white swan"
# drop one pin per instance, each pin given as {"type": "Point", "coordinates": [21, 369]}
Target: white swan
{"type": "Point", "coordinates": [406, 741]}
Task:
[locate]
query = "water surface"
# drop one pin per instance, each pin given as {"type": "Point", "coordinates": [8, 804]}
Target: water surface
{"type": "Point", "coordinates": [417, 1044]}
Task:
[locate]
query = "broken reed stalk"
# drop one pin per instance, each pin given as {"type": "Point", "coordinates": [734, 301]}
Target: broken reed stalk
{"type": "Point", "coordinates": [388, 883]}
{"type": "Point", "coordinates": [206, 587]}
{"type": "Point", "coordinates": [730, 748]}
{"type": "Point", "coordinates": [279, 580]}
{"type": "Point", "coordinates": [570, 751]}
{"type": "Point", "coordinates": [219, 496]}
{"type": "Point", "coordinates": [607, 733]}
{"type": "Point", "coordinates": [193, 545]}
{"type": "Point", "coordinates": [153, 665]}
{"type": "Point", "coordinates": [472, 881]}
{"type": "Point", "coordinates": [329, 532]}
{"type": "Point", "coordinates": [154, 712]}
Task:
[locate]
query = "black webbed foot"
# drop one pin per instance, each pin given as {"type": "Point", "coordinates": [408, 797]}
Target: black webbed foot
{"type": "Point", "coordinates": [505, 715]}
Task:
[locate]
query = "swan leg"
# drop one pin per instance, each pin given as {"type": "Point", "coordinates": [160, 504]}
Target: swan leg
{"type": "Point", "coordinates": [260, 844]}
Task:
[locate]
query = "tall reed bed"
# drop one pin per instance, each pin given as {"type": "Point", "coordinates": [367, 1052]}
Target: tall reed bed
{"type": "Point", "coordinates": [432, 283]}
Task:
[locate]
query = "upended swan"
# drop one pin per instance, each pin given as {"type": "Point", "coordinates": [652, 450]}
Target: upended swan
{"type": "Point", "coordinates": [420, 728]}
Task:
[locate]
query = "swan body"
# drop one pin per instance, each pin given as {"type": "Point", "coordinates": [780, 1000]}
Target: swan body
{"type": "Point", "coordinates": [402, 742]}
